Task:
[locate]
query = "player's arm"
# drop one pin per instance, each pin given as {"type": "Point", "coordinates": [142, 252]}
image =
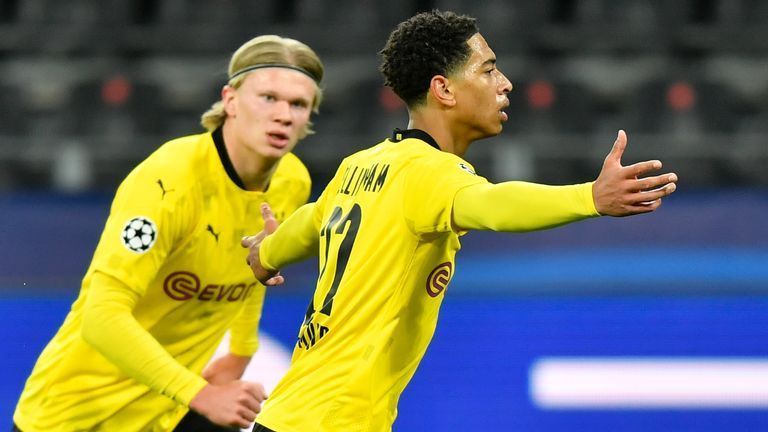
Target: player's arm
{"type": "Point", "coordinates": [521, 206]}
{"type": "Point", "coordinates": [110, 328]}
{"type": "Point", "coordinates": [243, 343]}
{"type": "Point", "coordinates": [227, 368]}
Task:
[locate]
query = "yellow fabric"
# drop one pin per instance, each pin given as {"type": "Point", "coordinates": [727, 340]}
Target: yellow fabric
{"type": "Point", "coordinates": [298, 238]}
{"type": "Point", "coordinates": [387, 229]}
{"type": "Point", "coordinates": [388, 210]}
{"type": "Point", "coordinates": [520, 206]}
{"type": "Point", "coordinates": [130, 351]}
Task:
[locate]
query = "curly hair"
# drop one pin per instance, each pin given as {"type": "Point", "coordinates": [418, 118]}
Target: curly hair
{"type": "Point", "coordinates": [425, 45]}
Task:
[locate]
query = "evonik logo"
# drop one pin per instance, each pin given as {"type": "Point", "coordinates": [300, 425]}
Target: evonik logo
{"type": "Point", "coordinates": [183, 286]}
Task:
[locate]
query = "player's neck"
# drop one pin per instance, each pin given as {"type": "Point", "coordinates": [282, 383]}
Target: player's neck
{"type": "Point", "coordinates": [440, 128]}
{"type": "Point", "coordinates": [254, 170]}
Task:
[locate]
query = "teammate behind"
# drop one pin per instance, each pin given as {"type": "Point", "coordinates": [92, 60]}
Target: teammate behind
{"type": "Point", "coordinates": [387, 229]}
{"type": "Point", "coordinates": [163, 286]}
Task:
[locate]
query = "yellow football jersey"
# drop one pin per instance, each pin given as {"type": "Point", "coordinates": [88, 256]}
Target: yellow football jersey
{"type": "Point", "coordinates": [387, 248]}
{"type": "Point", "coordinates": [173, 241]}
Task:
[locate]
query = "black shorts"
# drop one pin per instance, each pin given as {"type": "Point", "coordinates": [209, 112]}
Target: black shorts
{"type": "Point", "coordinates": [194, 422]}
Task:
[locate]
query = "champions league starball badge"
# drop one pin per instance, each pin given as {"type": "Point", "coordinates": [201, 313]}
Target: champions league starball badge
{"type": "Point", "coordinates": [139, 234]}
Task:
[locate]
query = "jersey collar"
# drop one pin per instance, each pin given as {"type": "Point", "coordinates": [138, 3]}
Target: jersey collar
{"type": "Point", "coordinates": [218, 139]}
{"type": "Point", "coordinates": [400, 134]}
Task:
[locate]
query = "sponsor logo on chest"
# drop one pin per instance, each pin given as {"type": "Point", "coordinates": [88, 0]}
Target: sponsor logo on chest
{"type": "Point", "coordinates": [184, 285]}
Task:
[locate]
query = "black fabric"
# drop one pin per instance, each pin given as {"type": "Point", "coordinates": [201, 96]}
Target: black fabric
{"type": "Point", "coordinates": [194, 422]}
{"type": "Point", "coordinates": [259, 428]}
{"type": "Point", "coordinates": [400, 134]}
{"type": "Point", "coordinates": [218, 139]}
{"type": "Point", "coordinates": [15, 428]}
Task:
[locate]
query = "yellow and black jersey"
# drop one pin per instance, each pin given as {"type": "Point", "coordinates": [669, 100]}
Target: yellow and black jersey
{"type": "Point", "coordinates": [387, 248]}
{"type": "Point", "coordinates": [169, 256]}
{"type": "Point", "coordinates": [387, 230]}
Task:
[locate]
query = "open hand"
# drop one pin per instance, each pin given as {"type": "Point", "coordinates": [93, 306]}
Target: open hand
{"type": "Point", "coordinates": [620, 191]}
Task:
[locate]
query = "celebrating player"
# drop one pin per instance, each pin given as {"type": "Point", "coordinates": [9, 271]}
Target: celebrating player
{"type": "Point", "coordinates": [387, 229]}
{"type": "Point", "coordinates": [163, 286]}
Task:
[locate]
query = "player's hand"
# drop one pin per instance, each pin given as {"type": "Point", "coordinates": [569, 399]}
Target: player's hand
{"type": "Point", "coordinates": [253, 243]}
{"type": "Point", "coordinates": [233, 404]}
{"type": "Point", "coordinates": [227, 368]}
{"type": "Point", "coordinates": [621, 191]}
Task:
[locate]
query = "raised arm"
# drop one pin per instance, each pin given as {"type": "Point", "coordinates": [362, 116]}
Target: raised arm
{"type": "Point", "coordinates": [521, 206]}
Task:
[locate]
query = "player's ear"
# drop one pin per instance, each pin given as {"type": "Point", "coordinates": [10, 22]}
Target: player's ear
{"type": "Point", "coordinates": [228, 95]}
{"type": "Point", "coordinates": [440, 88]}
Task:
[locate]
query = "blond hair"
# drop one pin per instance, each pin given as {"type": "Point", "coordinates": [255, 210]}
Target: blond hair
{"type": "Point", "coordinates": [267, 50]}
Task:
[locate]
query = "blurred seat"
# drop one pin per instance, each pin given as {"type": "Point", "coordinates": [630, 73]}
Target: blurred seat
{"type": "Point", "coordinates": [682, 106]}
{"type": "Point", "coordinates": [187, 87]}
{"type": "Point", "coordinates": [117, 108]}
{"type": "Point", "coordinates": [693, 119]}
{"type": "Point", "coordinates": [506, 25]}
{"type": "Point", "coordinates": [744, 75]}
{"type": "Point", "coordinates": [748, 154]}
{"type": "Point", "coordinates": [14, 115]}
{"type": "Point", "coordinates": [548, 106]}
{"type": "Point", "coordinates": [601, 25]}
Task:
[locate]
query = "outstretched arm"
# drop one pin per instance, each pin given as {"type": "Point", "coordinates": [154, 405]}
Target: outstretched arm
{"type": "Point", "coordinates": [521, 206]}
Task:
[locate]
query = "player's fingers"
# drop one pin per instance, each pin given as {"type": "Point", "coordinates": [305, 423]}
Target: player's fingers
{"type": "Point", "coordinates": [645, 207]}
{"type": "Point", "coordinates": [249, 404]}
{"type": "Point", "coordinates": [255, 389]}
{"type": "Point", "coordinates": [249, 413]}
{"type": "Point", "coordinates": [655, 194]}
{"type": "Point", "coordinates": [275, 280]}
{"type": "Point", "coordinates": [640, 168]}
{"type": "Point", "coordinates": [243, 422]}
{"type": "Point", "coordinates": [247, 241]}
{"type": "Point", "coordinates": [618, 148]}
{"type": "Point", "coordinates": [270, 223]}
{"type": "Point", "coordinates": [654, 182]}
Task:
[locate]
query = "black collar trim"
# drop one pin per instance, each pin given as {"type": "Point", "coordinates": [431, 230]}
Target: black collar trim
{"type": "Point", "coordinates": [218, 139]}
{"type": "Point", "coordinates": [400, 134]}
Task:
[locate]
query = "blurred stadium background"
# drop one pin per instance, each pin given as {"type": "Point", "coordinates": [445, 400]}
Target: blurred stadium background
{"type": "Point", "coordinates": [89, 88]}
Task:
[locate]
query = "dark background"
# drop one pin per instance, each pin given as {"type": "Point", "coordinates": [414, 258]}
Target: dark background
{"type": "Point", "coordinates": [90, 88]}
